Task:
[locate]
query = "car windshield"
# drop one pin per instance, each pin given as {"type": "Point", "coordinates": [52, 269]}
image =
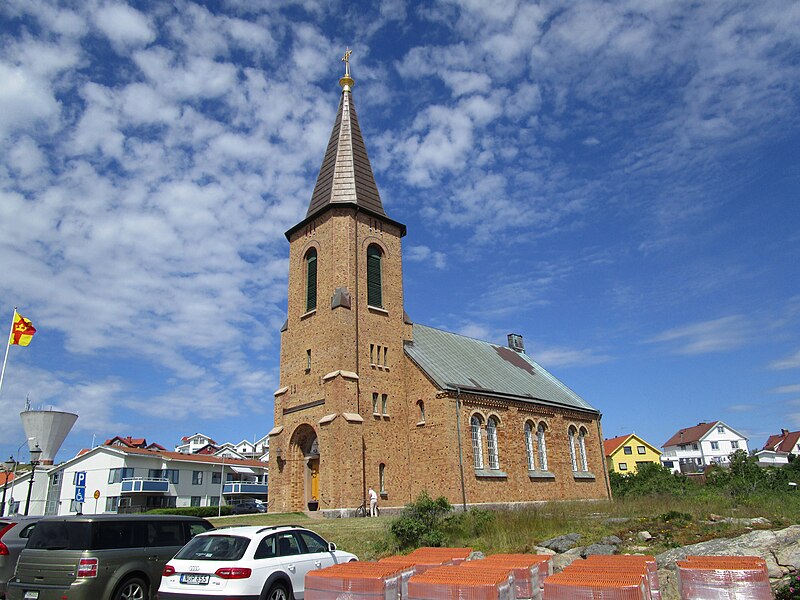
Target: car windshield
{"type": "Point", "coordinates": [214, 547]}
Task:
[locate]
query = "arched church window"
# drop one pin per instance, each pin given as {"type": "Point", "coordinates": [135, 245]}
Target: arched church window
{"type": "Point", "coordinates": [584, 464]}
{"type": "Point", "coordinates": [529, 446]}
{"type": "Point", "coordinates": [540, 430]}
{"type": "Point", "coordinates": [311, 279]}
{"type": "Point", "coordinates": [374, 276]}
{"type": "Point", "coordinates": [477, 441]}
{"type": "Point", "coordinates": [491, 442]}
{"type": "Point", "coordinates": [572, 455]}
{"type": "Point", "coordinates": [421, 406]}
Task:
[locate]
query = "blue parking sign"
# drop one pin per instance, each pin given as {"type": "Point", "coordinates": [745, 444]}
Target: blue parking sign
{"type": "Point", "coordinates": [80, 479]}
{"type": "Point", "coordinates": [80, 494]}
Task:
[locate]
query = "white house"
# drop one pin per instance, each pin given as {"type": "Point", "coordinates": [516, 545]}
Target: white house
{"type": "Point", "coordinates": [779, 447]}
{"type": "Point", "coordinates": [693, 448]}
{"type": "Point", "coordinates": [122, 479]}
{"type": "Point", "coordinates": [192, 444]}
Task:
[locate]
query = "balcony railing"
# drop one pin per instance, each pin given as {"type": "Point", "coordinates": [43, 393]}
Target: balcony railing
{"type": "Point", "coordinates": [139, 484]}
{"type": "Point", "coordinates": [243, 487]}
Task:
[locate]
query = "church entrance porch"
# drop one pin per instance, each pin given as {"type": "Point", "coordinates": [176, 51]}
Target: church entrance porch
{"type": "Point", "coordinates": [304, 470]}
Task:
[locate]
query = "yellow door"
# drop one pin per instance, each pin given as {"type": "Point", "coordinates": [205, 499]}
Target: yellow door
{"type": "Point", "coordinates": [314, 466]}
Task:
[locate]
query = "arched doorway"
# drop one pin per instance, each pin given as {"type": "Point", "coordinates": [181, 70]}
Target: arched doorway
{"type": "Point", "coordinates": [305, 477]}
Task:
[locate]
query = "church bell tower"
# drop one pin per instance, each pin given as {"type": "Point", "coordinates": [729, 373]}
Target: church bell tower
{"type": "Point", "coordinates": [341, 399]}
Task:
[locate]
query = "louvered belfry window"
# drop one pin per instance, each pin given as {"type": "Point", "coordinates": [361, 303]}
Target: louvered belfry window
{"type": "Point", "coordinates": [374, 287]}
{"type": "Point", "coordinates": [311, 280]}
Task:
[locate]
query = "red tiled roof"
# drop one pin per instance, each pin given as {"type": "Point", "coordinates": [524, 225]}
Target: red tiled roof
{"type": "Point", "coordinates": [206, 458]}
{"type": "Point", "coordinates": [5, 477]}
{"type": "Point", "coordinates": [786, 441]}
{"type": "Point", "coordinates": [610, 446]}
{"type": "Point", "coordinates": [690, 434]}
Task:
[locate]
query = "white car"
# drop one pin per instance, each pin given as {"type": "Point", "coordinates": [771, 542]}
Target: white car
{"type": "Point", "coordinates": [247, 563]}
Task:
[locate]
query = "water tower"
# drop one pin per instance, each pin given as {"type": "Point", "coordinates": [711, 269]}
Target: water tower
{"type": "Point", "coordinates": [49, 428]}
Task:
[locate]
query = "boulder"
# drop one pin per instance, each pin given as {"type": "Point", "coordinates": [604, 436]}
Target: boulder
{"type": "Point", "coordinates": [611, 539]}
{"type": "Point", "coordinates": [562, 543]}
{"type": "Point", "coordinates": [598, 549]}
{"type": "Point", "coordinates": [644, 536]}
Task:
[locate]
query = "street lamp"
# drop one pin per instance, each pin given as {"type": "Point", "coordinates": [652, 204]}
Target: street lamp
{"type": "Point", "coordinates": [8, 467]}
{"type": "Point", "coordinates": [35, 454]}
{"type": "Point", "coordinates": [221, 488]}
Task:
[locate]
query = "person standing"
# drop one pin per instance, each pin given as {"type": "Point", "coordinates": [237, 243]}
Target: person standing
{"type": "Point", "coordinates": [373, 503]}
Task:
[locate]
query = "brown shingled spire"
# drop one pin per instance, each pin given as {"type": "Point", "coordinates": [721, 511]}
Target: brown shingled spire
{"type": "Point", "coordinates": [346, 175]}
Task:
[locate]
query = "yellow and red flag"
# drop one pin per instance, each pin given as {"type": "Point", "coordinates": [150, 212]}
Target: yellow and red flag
{"type": "Point", "coordinates": [22, 331]}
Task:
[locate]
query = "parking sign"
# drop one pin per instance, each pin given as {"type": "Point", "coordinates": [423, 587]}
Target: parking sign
{"type": "Point", "coordinates": [80, 479]}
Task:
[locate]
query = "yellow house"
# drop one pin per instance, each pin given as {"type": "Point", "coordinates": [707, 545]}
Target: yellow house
{"type": "Point", "coordinates": [626, 452]}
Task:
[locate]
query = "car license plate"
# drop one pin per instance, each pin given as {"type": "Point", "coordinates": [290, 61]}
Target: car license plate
{"type": "Point", "coordinates": [193, 579]}
{"type": "Point", "coordinates": [31, 596]}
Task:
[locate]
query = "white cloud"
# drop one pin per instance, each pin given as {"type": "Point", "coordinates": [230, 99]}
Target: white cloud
{"type": "Point", "coordinates": [124, 26]}
{"type": "Point", "coordinates": [567, 357]}
{"type": "Point", "coordinates": [790, 362]}
{"type": "Point", "coordinates": [718, 335]}
{"type": "Point", "coordinates": [786, 389]}
{"type": "Point", "coordinates": [424, 254]}
{"type": "Point", "coordinates": [24, 100]}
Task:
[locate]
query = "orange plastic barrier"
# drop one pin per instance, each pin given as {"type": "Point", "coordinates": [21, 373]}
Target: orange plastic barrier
{"type": "Point", "coordinates": [594, 586]}
{"type": "Point", "coordinates": [631, 559]}
{"type": "Point", "coordinates": [360, 579]}
{"type": "Point", "coordinates": [457, 583]}
{"type": "Point", "coordinates": [543, 561]}
{"type": "Point", "coordinates": [526, 574]}
{"type": "Point", "coordinates": [723, 578]}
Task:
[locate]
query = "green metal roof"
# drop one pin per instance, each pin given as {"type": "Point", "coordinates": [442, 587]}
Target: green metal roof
{"type": "Point", "coordinates": [454, 361]}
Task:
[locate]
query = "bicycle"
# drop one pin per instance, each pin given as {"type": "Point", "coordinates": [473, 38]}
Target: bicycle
{"type": "Point", "coordinates": [363, 510]}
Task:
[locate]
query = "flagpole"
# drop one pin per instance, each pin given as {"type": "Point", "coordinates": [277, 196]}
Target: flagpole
{"type": "Point", "coordinates": [8, 345]}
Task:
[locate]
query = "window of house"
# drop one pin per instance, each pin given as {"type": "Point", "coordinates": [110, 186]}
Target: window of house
{"type": "Point", "coordinates": [311, 279]}
{"type": "Point", "coordinates": [720, 429]}
{"type": "Point", "coordinates": [374, 276]}
{"type": "Point", "coordinates": [372, 354]}
{"type": "Point", "coordinates": [627, 450]}
{"type": "Point", "coordinates": [216, 478]}
{"type": "Point", "coordinates": [640, 449]}
{"type": "Point", "coordinates": [694, 446]}
{"type": "Point", "coordinates": [375, 397]}
{"type": "Point", "coordinates": [623, 466]}
{"type": "Point", "coordinates": [384, 403]}
{"type": "Point", "coordinates": [117, 475]}
{"type": "Point", "coordinates": [584, 464]}
{"type": "Point", "coordinates": [421, 406]}
{"type": "Point", "coordinates": [734, 444]}
{"type": "Point", "coordinates": [382, 478]}
{"type": "Point", "coordinates": [195, 501]}
{"type": "Point", "coordinates": [173, 475]}
{"type": "Point", "coordinates": [682, 446]}
{"type": "Point", "coordinates": [112, 504]}
{"type": "Point", "coordinates": [542, 449]}
{"type": "Point", "coordinates": [475, 424]}
{"type": "Point", "coordinates": [529, 446]}
{"type": "Point", "coordinates": [197, 478]}
{"type": "Point", "coordinates": [715, 445]}
{"type": "Point", "coordinates": [385, 352]}
{"type": "Point", "coordinates": [572, 456]}
{"type": "Point", "coordinates": [491, 442]}
{"type": "Point", "coordinates": [213, 500]}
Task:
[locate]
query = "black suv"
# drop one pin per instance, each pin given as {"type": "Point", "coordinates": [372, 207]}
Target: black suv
{"type": "Point", "coordinates": [100, 557]}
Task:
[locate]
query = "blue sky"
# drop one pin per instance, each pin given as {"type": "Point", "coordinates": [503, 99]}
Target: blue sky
{"type": "Point", "coordinates": [616, 181]}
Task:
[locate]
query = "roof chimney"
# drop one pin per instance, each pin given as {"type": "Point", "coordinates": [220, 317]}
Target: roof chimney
{"type": "Point", "coordinates": [515, 342]}
{"type": "Point", "coordinates": [784, 432]}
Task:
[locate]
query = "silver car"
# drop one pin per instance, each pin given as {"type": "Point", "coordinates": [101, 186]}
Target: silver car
{"type": "Point", "coordinates": [14, 532]}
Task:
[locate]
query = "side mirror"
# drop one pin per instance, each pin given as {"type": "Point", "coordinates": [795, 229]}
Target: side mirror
{"type": "Point", "coordinates": [331, 547]}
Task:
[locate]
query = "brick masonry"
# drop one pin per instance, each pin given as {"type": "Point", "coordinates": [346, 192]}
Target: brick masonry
{"type": "Point", "coordinates": [332, 400]}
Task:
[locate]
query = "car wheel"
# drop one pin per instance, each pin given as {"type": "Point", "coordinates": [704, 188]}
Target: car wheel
{"type": "Point", "coordinates": [132, 589]}
{"type": "Point", "coordinates": [278, 591]}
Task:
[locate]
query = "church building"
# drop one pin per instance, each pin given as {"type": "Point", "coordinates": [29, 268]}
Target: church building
{"type": "Point", "coordinates": [369, 398]}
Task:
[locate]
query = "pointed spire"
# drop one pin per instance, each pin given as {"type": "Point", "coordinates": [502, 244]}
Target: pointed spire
{"type": "Point", "coordinates": [346, 174]}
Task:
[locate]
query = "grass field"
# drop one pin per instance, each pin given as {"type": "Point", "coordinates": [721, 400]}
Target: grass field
{"type": "Point", "coordinates": [672, 522]}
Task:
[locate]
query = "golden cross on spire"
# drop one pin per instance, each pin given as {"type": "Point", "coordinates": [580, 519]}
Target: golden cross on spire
{"type": "Point", "coordinates": [346, 61]}
{"type": "Point", "coordinates": [346, 81]}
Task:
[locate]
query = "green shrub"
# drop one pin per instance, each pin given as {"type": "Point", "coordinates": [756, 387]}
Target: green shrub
{"type": "Point", "coordinates": [193, 511]}
{"type": "Point", "coordinates": [650, 480]}
{"type": "Point", "coordinates": [421, 523]}
{"type": "Point", "coordinates": [789, 590]}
